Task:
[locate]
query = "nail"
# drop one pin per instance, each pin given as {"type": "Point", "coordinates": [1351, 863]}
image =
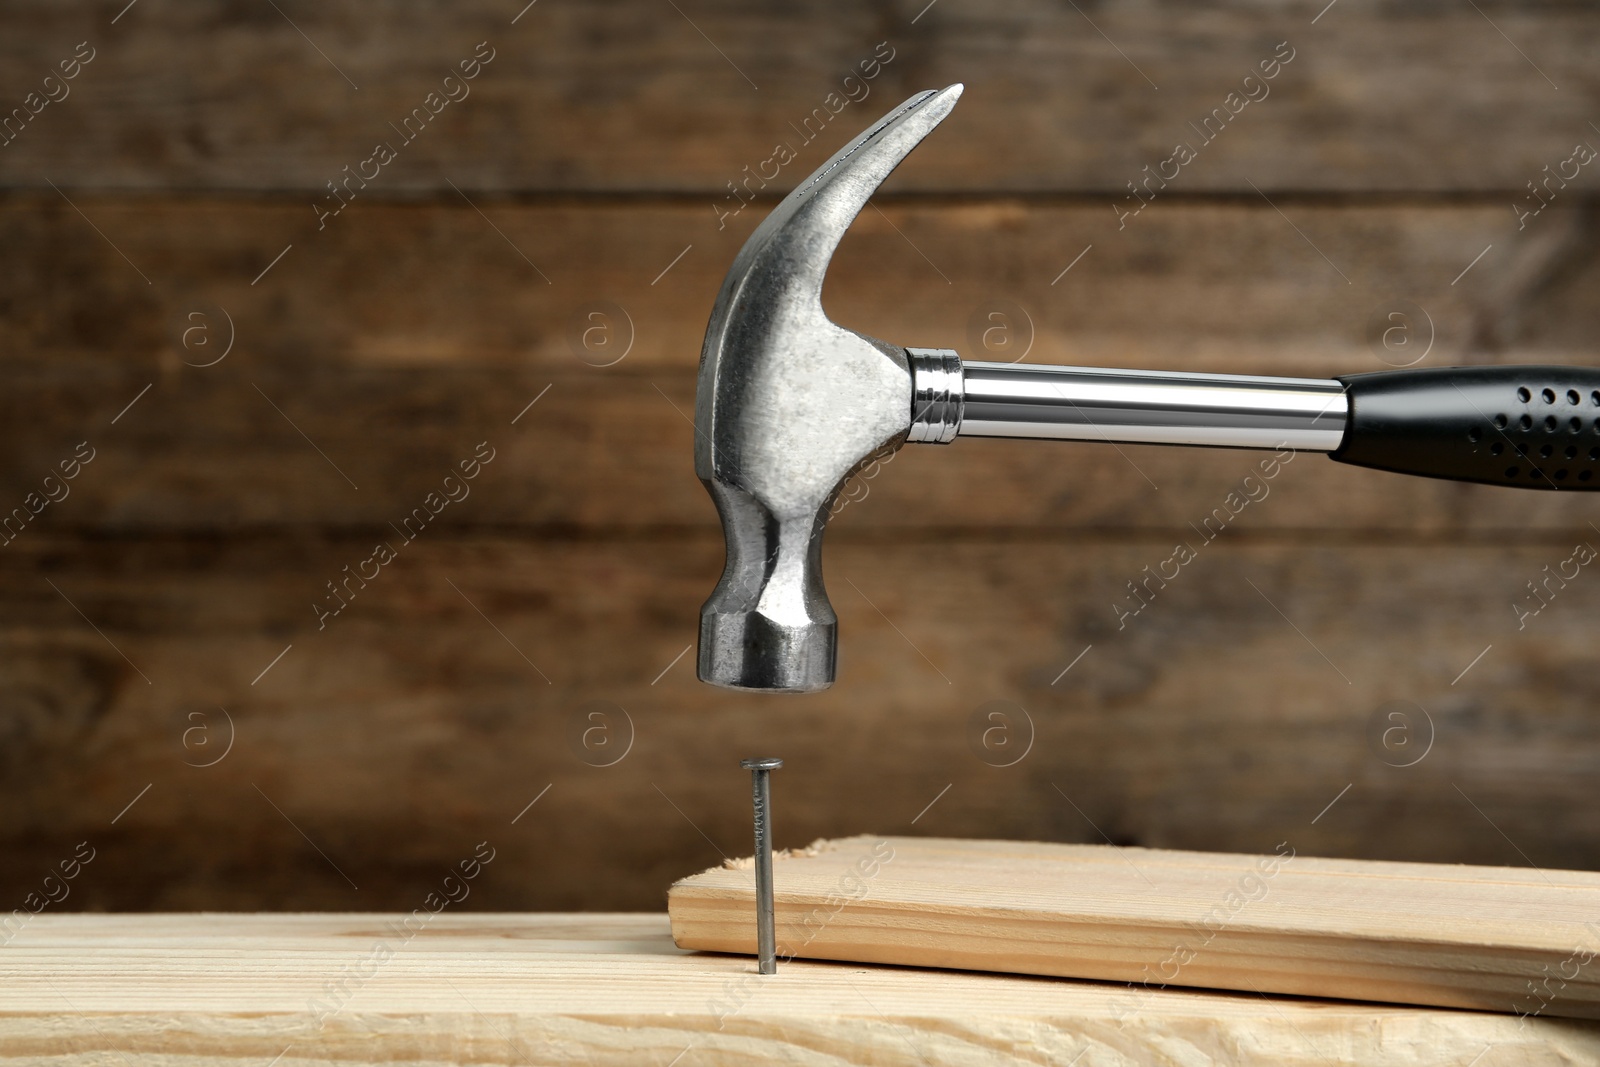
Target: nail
{"type": "Point", "coordinates": [761, 790]}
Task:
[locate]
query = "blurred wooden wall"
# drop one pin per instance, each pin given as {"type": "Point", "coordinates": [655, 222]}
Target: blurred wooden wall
{"type": "Point", "coordinates": [559, 235]}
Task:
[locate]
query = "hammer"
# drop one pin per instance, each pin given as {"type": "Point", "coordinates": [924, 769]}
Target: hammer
{"type": "Point", "coordinates": [788, 405]}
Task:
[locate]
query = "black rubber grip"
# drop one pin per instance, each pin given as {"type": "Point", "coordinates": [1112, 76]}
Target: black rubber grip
{"type": "Point", "coordinates": [1528, 427]}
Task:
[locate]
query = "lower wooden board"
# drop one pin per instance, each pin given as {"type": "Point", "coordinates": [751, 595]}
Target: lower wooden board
{"type": "Point", "coordinates": [1518, 941]}
{"type": "Point", "coordinates": [217, 990]}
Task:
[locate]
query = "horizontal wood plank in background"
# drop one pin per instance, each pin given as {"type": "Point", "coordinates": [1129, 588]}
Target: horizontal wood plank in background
{"type": "Point", "coordinates": [402, 340]}
{"type": "Point", "coordinates": [413, 724]}
{"type": "Point", "coordinates": [226, 991]}
{"type": "Point", "coordinates": [597, 146]}
{"type": "Point", "coordinates": [1274, 922]}
{"type": "Point", "coordinates": [1212, 286]}
{"type": "Point", "coordinates": [639, 96]}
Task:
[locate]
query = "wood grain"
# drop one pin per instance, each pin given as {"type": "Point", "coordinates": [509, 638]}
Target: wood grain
{"type": "Point", "coordinates": [639, 96]}
{"type": "Point", "coordinates": [593, 156]}
{"type": "Point", "coordinates": [414, 333]}
{"type": "Point", "coordinates": [413, 726]}
{"type": "Point", "coordinates": [1205, 285]}
{"type": "Point", "coordinates": [1490, 938]}
{"type": "Point", "coordinates": [614, 457]}
{"type": "Point", "coordinates": [225, 990]}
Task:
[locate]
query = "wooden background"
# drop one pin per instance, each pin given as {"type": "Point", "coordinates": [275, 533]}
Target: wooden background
{"type": "Point", "coordinates": [142, 615]}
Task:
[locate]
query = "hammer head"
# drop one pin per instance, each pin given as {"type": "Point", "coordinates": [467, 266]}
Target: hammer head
{"type": "Point", "coordinates": [787, 406]}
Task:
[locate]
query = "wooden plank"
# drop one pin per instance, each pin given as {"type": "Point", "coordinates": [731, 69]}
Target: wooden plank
{"type": "Point", "coordinates": [226, 990]}
{"type": "Point", "coordinates": [1281, 922]}
{"type": "Point", "coordinates": [1202, 286]}
{"type": "Point", "coordinates": [617, 455]}
{"type": "Point", "coordinates": [412, 722]}
{"type": "Point", "coordinates": [637, 95]}
{"type": "Point", "coordinates": [396, 369]}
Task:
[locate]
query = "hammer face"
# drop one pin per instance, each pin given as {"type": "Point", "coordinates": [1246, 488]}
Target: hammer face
{"type": "Point", "coordinates": [768, 625]}
{"type": "Point", "coordinates": [808, 421]}
{"type": "Point", "coordinates": [787, 406]}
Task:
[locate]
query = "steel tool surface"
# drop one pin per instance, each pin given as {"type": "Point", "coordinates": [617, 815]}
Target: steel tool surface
{"type": "Point", "coordinates": [789, 404]}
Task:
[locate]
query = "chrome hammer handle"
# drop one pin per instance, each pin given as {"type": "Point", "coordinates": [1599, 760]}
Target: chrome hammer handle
{"type": "Point", "coordinates": [951, 397]}
{"type": "Point", "coordinates": [1531, 427]}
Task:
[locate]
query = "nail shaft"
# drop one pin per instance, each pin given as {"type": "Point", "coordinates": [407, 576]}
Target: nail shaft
{"type": "Point", "coordinates": [761, 794]}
